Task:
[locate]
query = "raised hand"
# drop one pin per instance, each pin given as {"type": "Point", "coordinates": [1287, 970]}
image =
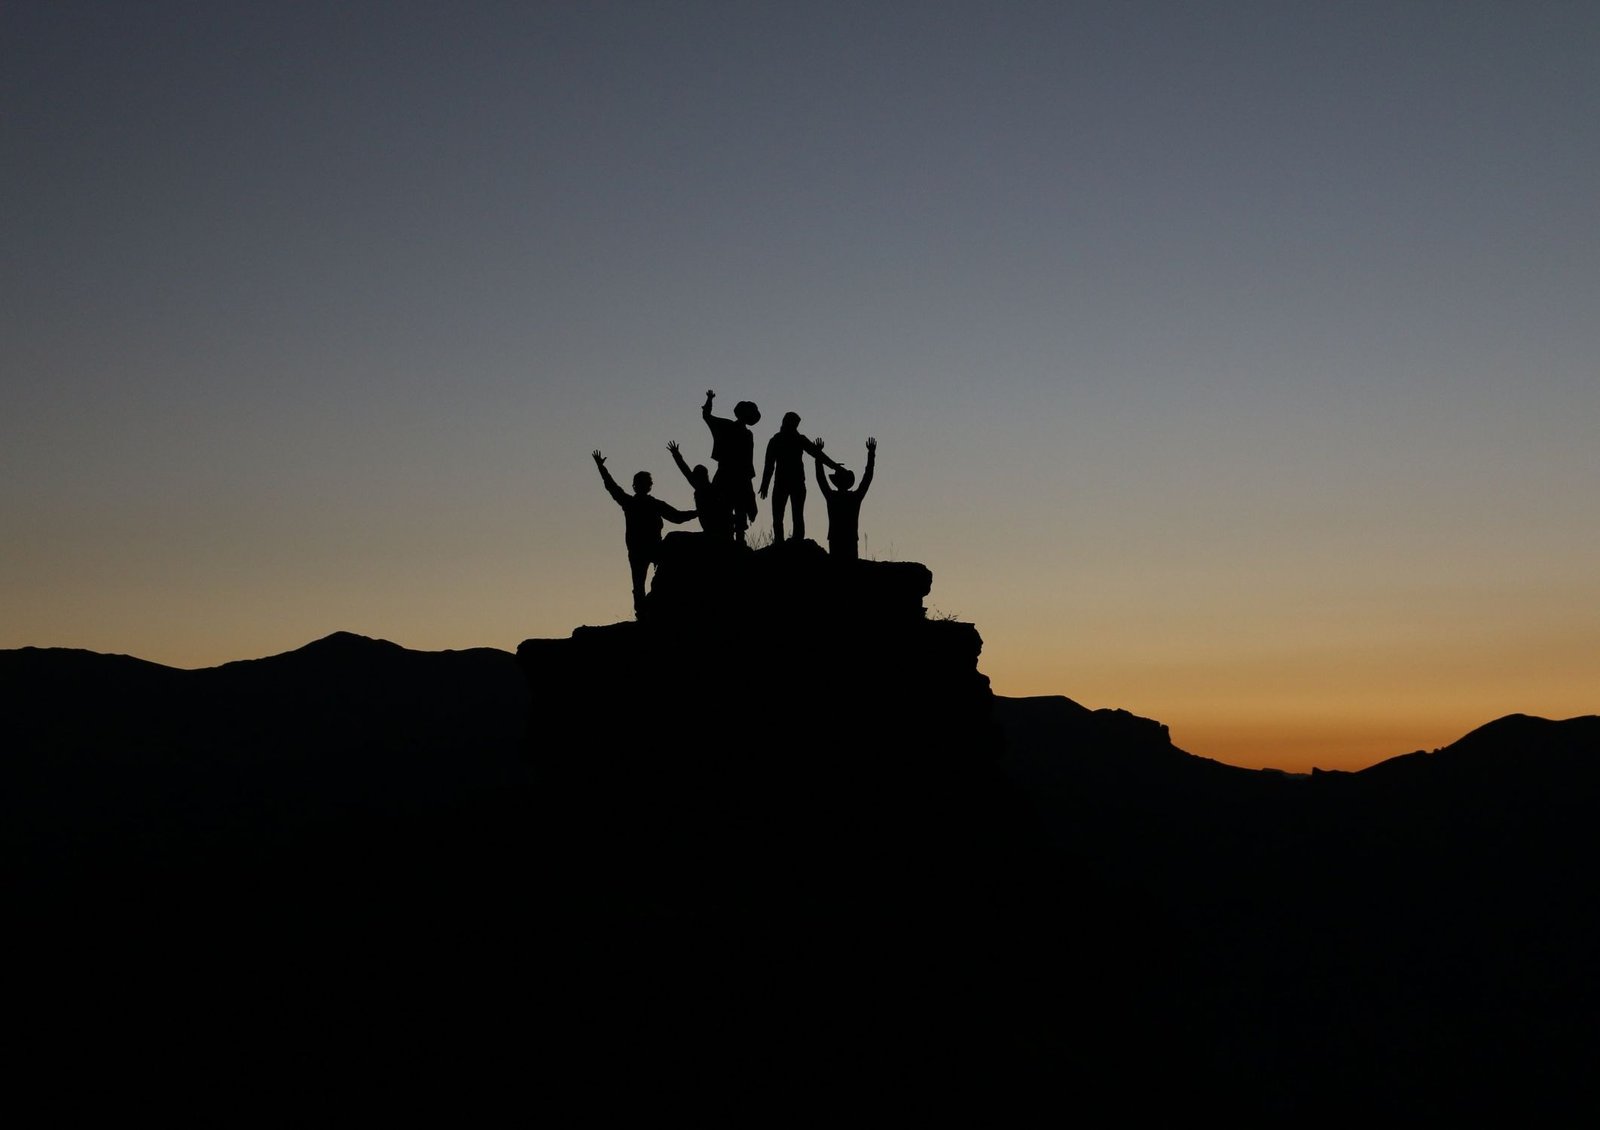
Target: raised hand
{"type": "Point", "coordinates": [818, 442]}
{"type": "Point", "coordinates": [599, 460]}
{"type": "Point", "coordinates": [872, 443]}
{"type": "Point", "coordinates": [672, 446]}
{"type": "Point", "coordinates": [710, 395]}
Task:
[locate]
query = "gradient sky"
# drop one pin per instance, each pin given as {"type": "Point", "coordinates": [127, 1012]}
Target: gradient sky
{"type": "Point", "coordinates": [1236, 364]}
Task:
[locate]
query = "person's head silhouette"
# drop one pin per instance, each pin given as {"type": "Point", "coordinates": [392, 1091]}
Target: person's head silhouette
{"type": "Point", "coordinates": [746, 413]}
{"type": "Point", "coordinates": [701, 478]}
{"type": "Point", "coordinates": [844, 479]}
{"type": "Point", "coordinates": [791, 421]}
{"type": "Point", "coordinates": [642, 482]}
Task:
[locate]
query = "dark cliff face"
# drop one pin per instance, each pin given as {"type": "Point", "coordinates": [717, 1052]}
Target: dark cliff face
{"type": "Point", "coordinates": [778, 661]}
{"type": "Point", "coordinates": [775, 688]}
{"type": "Point", "coordinates": [781, 784]}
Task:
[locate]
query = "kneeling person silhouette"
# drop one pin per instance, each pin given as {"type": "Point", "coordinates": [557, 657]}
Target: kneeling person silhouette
{"type": "Point", "coordinates": [716, 520]}
{"type": "Point", "coordinates": [844, 505]}
{"type": "Point", "coordinates": [643, 515]}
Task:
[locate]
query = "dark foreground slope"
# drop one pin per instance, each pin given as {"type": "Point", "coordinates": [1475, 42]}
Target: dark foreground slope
{"type": "Point", "coordinates": [786, 818]}
{"type": "Point", "coordinates": [1419, 937]}
{"type": "Point", "coordinates": [258, 886]}
{"type": "Point", "coordinates": [774, 848]}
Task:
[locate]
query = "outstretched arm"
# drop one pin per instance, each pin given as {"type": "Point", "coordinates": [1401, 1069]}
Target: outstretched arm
{"type": "Point", "coordinates": [673, 514]}
{"type": "Point", "coordinates": [678, 459]}
{"type": "Point", "coordinates": [872, 459]}
{"type": "Point", "coordinates": [605, 476]}
{"type": "Point", "coordinates": [815, 448]}
{"type": "Point", "coordinates": [822, 483]}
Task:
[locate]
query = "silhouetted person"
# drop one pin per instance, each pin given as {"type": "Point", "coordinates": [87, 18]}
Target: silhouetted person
{"type": "Point", "coordinates": [643, 514]}
{"type": "Point", "coordinates": [715, 519]}
{"type": "Point", "coordinates": [734, 450]}
{"type": "Point", "coordinates": [785, 452]}
{"type": "Point", "coordinates": [844, 505]}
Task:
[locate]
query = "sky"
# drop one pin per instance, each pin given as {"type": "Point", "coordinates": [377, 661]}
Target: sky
{"type": "Point", "coordinates": [1234, 364]}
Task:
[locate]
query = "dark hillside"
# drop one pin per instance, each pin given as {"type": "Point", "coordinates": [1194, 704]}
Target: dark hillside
{"type": "Point", "coordinates": [772, 847]}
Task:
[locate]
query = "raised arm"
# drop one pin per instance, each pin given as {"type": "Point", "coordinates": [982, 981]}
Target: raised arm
{"type": "Point", "coordinates": [822, 483]}
{"type": "Point", "coordinates": [815, 449]}
{"type": "Point", "coordinates": [705, 409]}
{"type": "Point", "coordinates": [605, 476]}
{"type": "Point", "coordinates": [678, 459]}
{"type": "Point", "coordinates": [872, 459]}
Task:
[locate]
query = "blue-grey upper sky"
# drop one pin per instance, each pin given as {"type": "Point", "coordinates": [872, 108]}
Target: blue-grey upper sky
{"type": "Point", "coordinates": [1232, 363]}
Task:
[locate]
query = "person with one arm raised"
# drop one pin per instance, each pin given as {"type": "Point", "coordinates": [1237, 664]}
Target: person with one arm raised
{"type": "Point", "coordinates": [643, 515]}
{"type": "Point", "coordinates": [733, 448]}
{"type": "Point", "coordinates": [844, 504]}
{"type": "Point", "coordinates": [715, 519]}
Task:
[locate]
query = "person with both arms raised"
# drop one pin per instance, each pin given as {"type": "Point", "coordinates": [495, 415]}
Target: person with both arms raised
{"type": "Point", "coordinates": [844, 505]}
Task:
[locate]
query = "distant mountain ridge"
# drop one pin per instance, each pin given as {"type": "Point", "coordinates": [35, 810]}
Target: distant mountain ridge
{"type": "Point", "coordinates": [774, 844]}
{"type": "Point", "coordinates": [41, 683]}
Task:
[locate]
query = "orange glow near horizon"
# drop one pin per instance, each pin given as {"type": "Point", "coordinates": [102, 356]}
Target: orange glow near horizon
{"type": "Point", "coordinates": [1237, 373]}
{"type": "Point", "coordinates": [1250, 712]}
{"type": "Point", "coordinates": [1305, 713]}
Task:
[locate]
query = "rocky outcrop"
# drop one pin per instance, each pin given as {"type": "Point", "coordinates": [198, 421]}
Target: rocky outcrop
{"type": "Point", "coordinates": [783, 780]}
{"type": "Point", "coordinates": [779, 670]}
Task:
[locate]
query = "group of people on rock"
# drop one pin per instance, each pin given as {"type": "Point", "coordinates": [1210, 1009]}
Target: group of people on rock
{"type": "Point", "coordinates": [725, 502]}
